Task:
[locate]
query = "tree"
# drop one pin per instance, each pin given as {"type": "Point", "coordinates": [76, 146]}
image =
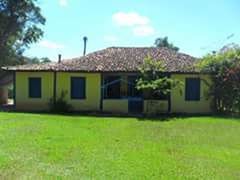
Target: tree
{"type": "Point", "coordinates": [163, 42]}
{"type": "Point", "coordinates": [19, 27]}
{"type": "Point", "coordinates": [45, 60]}
{"type": "Point", "coordinates": [153, 78]}
{"type": "Point", "coordinates": [225, 69]}
{"type": "Point", "coordinates": [36, 60]}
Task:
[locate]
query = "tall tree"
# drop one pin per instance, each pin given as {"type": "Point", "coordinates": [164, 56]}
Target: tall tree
{"type": "Point", "coordinates": [224, 66]}
{"type": "Point", "coordinates": [20, 22]}
{"type": "Point", "coordinates": [163, 42]}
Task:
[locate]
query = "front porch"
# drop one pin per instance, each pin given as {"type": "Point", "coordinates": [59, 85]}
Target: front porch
{"type": "Point", "coordinates": [119, 95]}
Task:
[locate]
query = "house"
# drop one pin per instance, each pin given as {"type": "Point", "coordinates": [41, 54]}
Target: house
{"type": "Point", "coordinates": [104, 81]}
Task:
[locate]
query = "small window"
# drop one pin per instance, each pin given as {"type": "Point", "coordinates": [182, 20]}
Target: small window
{"type": "Point", "coordinates": [192, 91]}
{"type": "Point", "coordinates": [112, 85]}
{"type": "Point", "coordinates": [35, 88]}
{"type": "Point", "coordinates": [78, 88]}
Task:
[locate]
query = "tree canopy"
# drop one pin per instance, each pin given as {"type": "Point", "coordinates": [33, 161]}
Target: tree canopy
{"type": "Point", "coordinates": [153, 77]}
{"type": "Point", "coordinates": [20, 26]}
{"type": "Point", "coordinates": [36, 60]}
{"type": "Point", "coordinates": [225, 69]}
{"type": "Point", "coordinates": [163, 42]}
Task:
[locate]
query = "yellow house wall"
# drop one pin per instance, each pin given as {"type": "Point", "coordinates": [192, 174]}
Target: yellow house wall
{"type": "Point", "coordinates": [115, 105]}
{"type": "Point", "coordinates": [23, 102]}
{"type": "Point", "coordinates": [179, 105]}
{"type": "Point", "coordinates": [93, 90]}
{"type": "Point", "coordinates": [93, 94]}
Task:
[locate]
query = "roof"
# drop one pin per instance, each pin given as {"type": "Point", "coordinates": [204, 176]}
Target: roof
{"type": "Point", "coordinates": [117, 59]}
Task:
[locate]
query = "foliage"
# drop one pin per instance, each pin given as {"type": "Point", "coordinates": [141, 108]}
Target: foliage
{"type": "Point", "coordinates": [42, 146]}
{"type": "Point", "coordinates": [225, 69]}
{"type": "Point", "coordinates": [45, 60]}
{"type": "Point", "coordinates": [154, 77]}
{"type": "Point", "coordinates": [163, 42]}
{"type": "Point", "coordinates": [19, 27]}
{"type": "Point", "coordinates": [60, 105]}
{"type": "Point", "coordinates": [36, 60]}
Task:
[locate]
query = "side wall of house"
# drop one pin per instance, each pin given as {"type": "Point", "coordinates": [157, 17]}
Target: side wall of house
{"type": "Point", "coordinates": [63, 84]}
{"type": "Point", "coordinates": [178, 102]}
{"type": "Point", "coordinates": [93, 90]}
{"type": "Point", "coordinates": [23, 101]}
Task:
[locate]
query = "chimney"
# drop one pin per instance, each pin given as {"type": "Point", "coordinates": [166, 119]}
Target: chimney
{"type": "Point", "coordinates": [59, 58]}
{"type": "Point", "coordinates": [85, 45]}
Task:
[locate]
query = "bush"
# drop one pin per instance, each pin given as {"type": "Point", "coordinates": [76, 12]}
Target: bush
{"type": "Point", "coordinates": [225, 69]}
{"type": "Point", "coordinates": [60, 105]}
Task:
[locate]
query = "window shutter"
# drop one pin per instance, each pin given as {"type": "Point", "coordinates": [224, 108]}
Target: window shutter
{"type": "Point", "coordinates": [35, 87]}
{"type": "Point", "coordinates": [192, 91]}
{"type": "Point", "coordinates": [78, 88]}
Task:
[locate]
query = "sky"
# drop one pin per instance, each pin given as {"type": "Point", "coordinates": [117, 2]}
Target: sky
{"type": "Point", "coordinates": [196, 27]}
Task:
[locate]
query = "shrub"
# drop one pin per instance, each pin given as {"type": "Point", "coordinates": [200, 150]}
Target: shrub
{"type": "Point", "coordinates": [225, 69]}
{"type": "Point", "coordinates": [60, 105]}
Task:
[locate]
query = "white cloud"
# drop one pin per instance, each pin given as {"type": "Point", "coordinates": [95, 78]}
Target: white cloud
{"type": "Point", "coordinates": [63, 3]}
{"type": "Point", "coordinates": [129, 19]}
{"type": "Point", "coordinates": [139, 25]}
{"type": "Point", "coordinates": [50, 45]}
{"type": "Point", "coordinates": [146, 30]}
{"type": "Point", "coordinates": [110, 38]}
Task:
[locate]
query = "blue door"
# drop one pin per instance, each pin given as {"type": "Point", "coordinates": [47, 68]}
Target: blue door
{"type": "Point", "coordinates": [135, 97]}
{"type": "Point", "coordinates": [135, 105]}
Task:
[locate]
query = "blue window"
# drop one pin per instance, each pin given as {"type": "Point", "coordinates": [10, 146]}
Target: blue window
{"type": "Point", "coordinates": [192, 91]}
{"type": "Point", "coordinates": [35, 87]}
{"type": "Point", "coordinates": [78, 88]}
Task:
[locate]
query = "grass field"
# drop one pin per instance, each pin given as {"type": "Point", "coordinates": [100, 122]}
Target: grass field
{"type": "Point", "coordinates": [35, 146]}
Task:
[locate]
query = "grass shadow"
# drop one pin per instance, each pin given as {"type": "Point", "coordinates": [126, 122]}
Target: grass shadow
{"type": "Point", "coordinates": [79, 114]}
{"type": "Point", "coordinates": [170, 117]}
{"type": "Point", "coordinates": [140, 117]}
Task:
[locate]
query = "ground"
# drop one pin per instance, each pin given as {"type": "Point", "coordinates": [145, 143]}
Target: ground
{"type": "Point", "coordinates": [38, 146]}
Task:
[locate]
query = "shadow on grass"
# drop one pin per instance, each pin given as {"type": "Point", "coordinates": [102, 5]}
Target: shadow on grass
{"type": "Point", "coordinates": [140, 117]}
{"type": "Point", "coordinates": [171, 117]}
{"type": "Point", "coordinates": [80, 114]}
{"type": "Point", "coordinates": [178, 117]}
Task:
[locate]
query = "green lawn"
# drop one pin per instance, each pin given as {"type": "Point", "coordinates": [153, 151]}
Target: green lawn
{"type": "Point", "coordinates": [35, 146]}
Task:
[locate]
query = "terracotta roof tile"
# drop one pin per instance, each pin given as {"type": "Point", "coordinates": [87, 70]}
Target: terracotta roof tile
{"type": "Point", "coordinates": [117, 59]}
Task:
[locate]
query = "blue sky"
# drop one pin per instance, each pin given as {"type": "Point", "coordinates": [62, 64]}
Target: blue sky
{"type": "Point", "coordinates": [197, 27]}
